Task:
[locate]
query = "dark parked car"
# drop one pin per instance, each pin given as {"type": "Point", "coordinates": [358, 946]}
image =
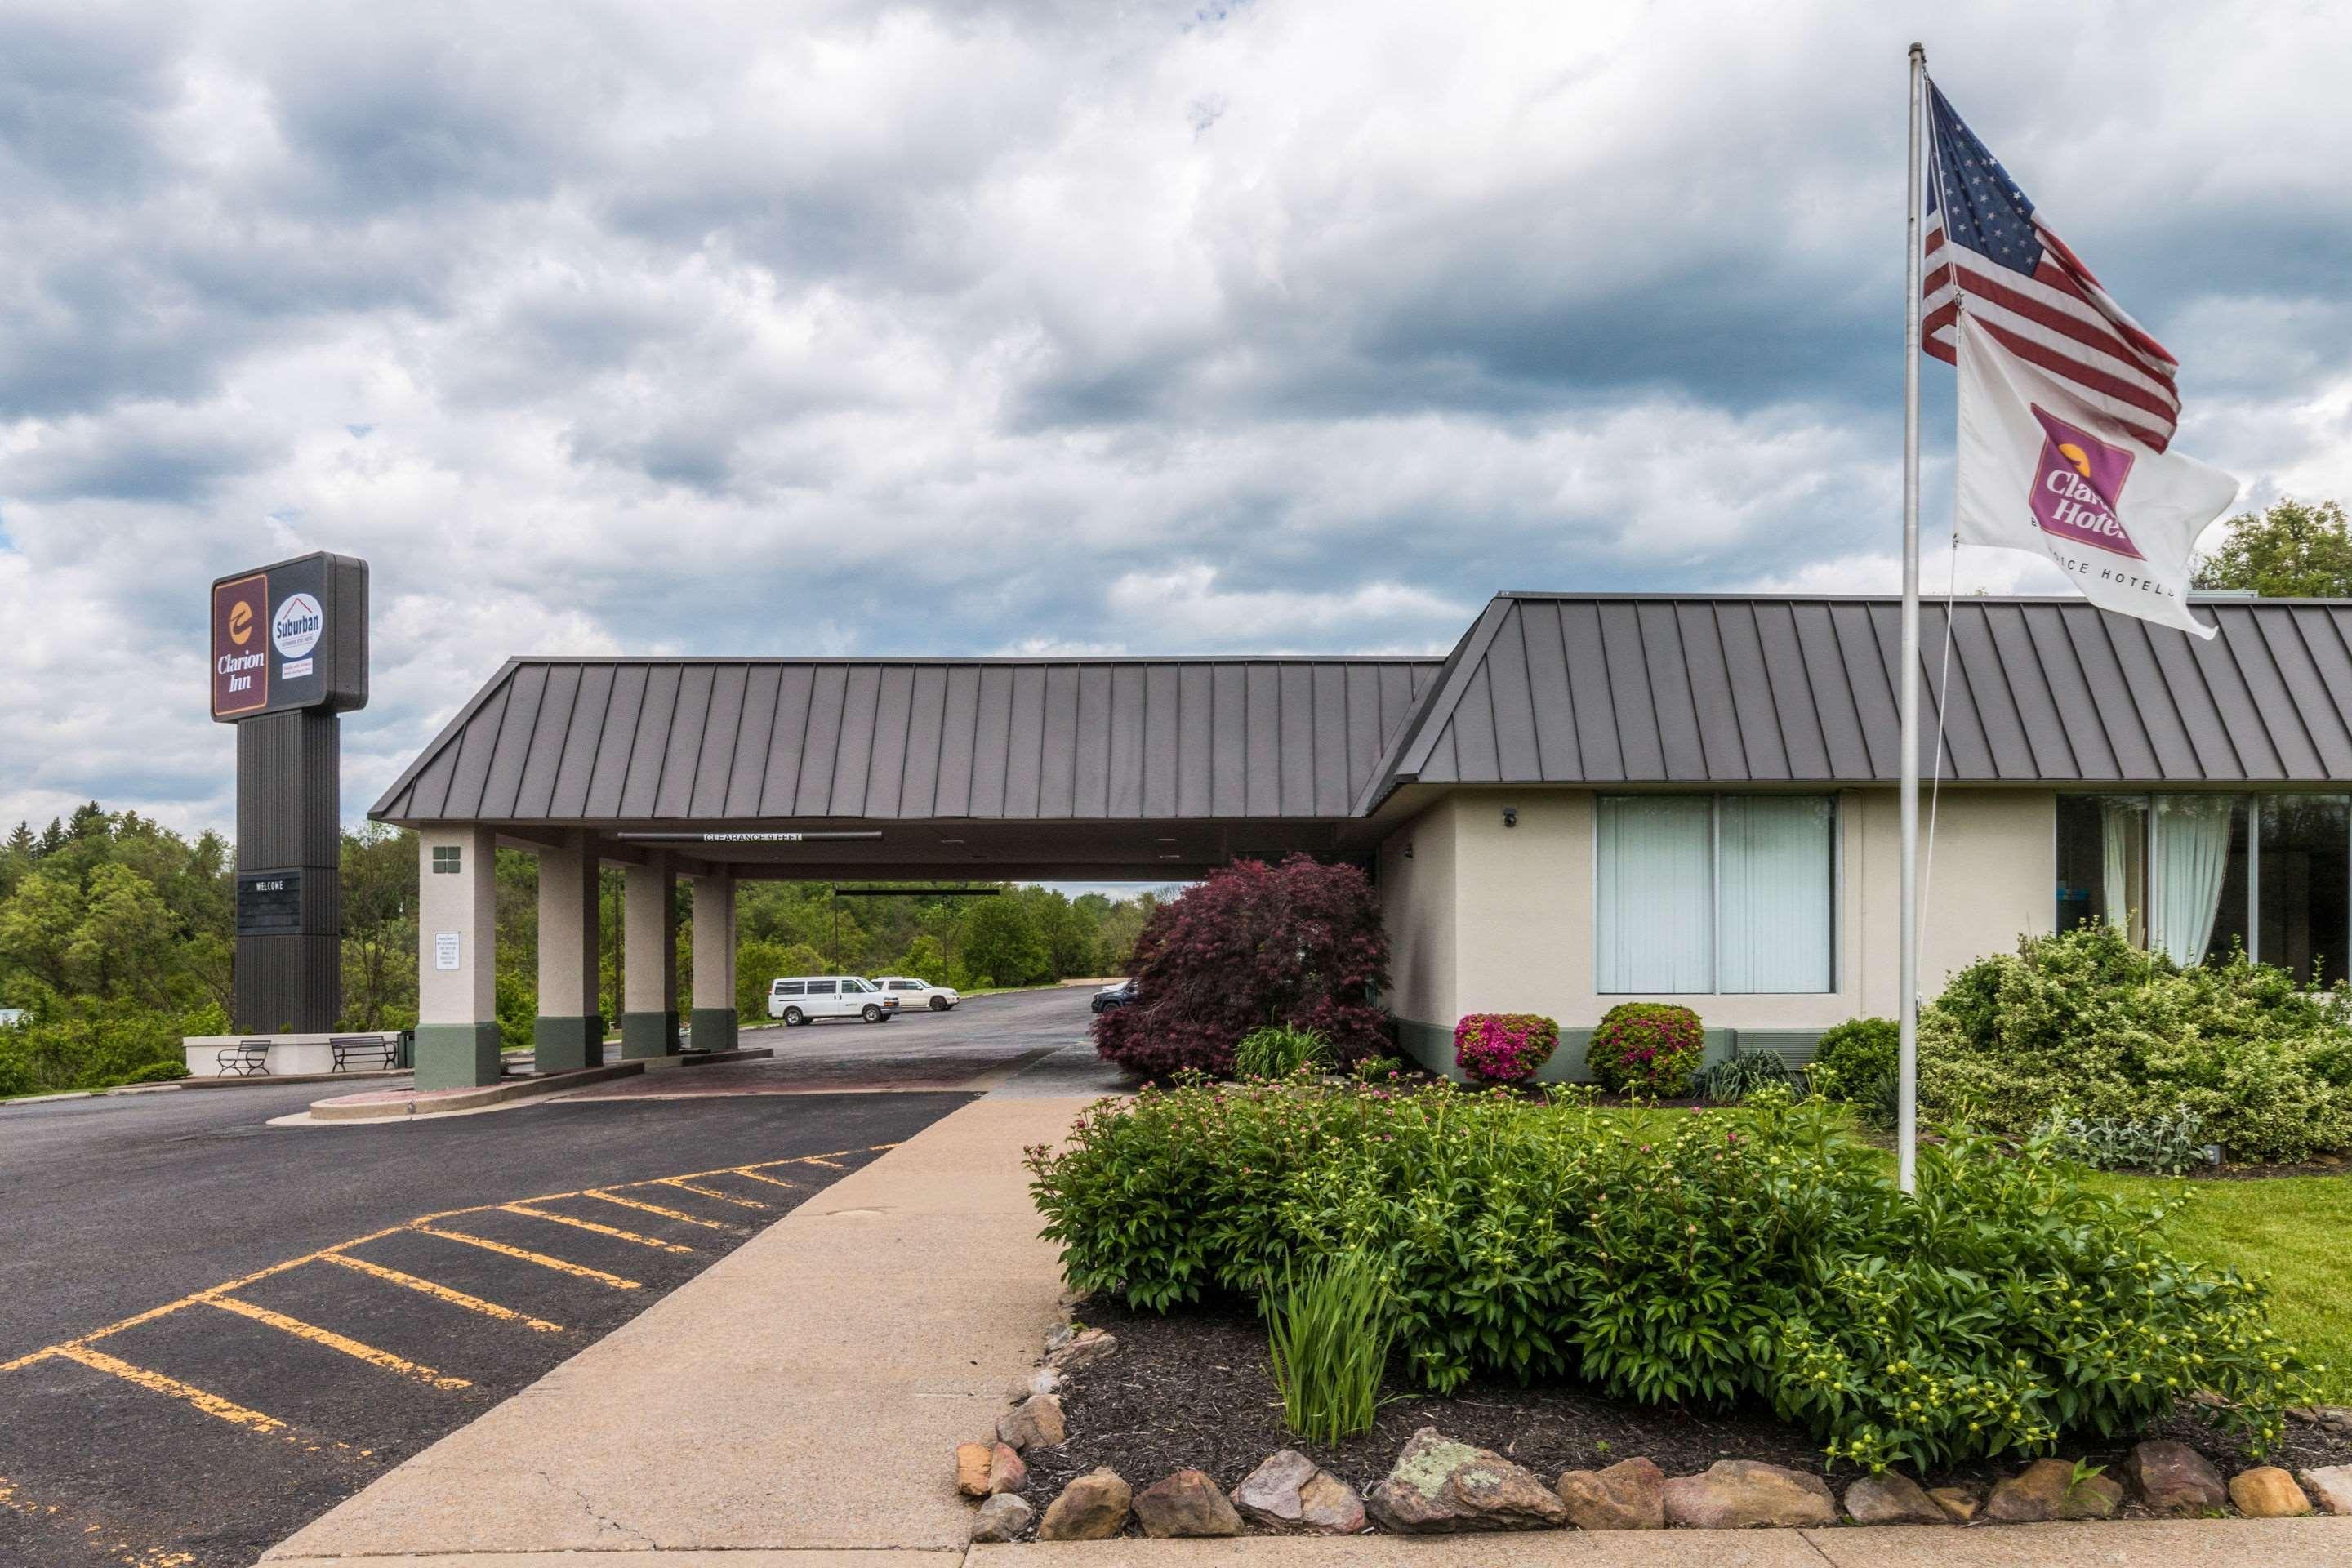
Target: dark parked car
{"type": "Point", "coordinates": [1119, 996]}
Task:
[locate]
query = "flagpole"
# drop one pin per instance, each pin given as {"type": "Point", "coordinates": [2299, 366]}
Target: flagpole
{"type": "Point", "coordinates": [1908, 879]}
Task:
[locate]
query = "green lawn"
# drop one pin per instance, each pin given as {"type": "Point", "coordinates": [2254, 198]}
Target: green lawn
{"type": "Point", "coordinates": [2289, 1230]}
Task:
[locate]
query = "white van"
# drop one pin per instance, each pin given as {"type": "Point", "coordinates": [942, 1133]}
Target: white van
{"type": "Point", "coordinates": [813, 996]}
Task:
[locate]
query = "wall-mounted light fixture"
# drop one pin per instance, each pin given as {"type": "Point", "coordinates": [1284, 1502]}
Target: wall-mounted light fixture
{"type": "Point", "coordinates": [1510, 816]}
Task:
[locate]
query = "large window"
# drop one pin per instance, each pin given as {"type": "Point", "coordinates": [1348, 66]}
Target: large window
{"type": "Point", "coordinates": [2198, 876]}
{"type": "Point", "coordinates": [1714, 893]}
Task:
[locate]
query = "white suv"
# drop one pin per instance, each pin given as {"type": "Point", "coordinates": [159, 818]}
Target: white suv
{"type": "Point", "coordinates": [913, 992]}
{"type": "Point", "coordinates": [809, 997]}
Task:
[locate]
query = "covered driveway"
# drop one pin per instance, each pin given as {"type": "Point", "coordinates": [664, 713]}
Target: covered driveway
{"type": "Point", "coordinates": [715, 770]}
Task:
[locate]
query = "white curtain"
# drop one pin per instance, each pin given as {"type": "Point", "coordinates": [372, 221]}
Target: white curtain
{"type": "Point", "coordinates": [2188, 841]}
{"type": "Point", "coordinates": [1773, 926]}
{"type": "Point", "coordinates": [2119, 821]}
{"type": "Point", "coordinates": [1653, 917]}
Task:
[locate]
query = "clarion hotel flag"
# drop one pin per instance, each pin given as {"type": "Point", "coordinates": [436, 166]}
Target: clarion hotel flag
{"type": "Point", "coordinates": [2066, 407]}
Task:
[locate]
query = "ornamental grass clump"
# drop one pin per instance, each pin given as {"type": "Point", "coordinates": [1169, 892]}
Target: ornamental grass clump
{"type": "Point", "coordinates": [1651, 1049]}
{"type": "Point", "coordinates": [1761, 1252]}
{"type": "Point", "coordinates": [1328, 1333]}
{"type": "Point", "coordinates": [1504, 1047]}
{"type": "Point", "coordinates": [1279, 1050]}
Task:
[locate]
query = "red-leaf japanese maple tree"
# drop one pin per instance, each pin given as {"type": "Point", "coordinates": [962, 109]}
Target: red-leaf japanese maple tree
{"type": "Point", "coordinates": [1299, 943]}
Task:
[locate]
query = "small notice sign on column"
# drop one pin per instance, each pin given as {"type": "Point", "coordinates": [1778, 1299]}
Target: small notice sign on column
{"type": "Point", "coordinates": [444, 949]}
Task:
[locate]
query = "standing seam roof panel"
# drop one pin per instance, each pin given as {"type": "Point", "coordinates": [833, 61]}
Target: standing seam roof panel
{"type": "Point", "coordinates": [1872, 693]}
{"type": "Point", "coordinates": [958, 762]}
{"type": "Point", "coordinates": [1831, 685]}
{"type": "Point", "coordinates": [618, 742]}
{"type": "Point", "coordinates": [1592, 692]}
{"type": "Point", "coordinates": [650, 746]}
{"type": "Point", "coordinates": [2153, 699]}
{"type": "Point", "coordinates": [1512, 693]}
{"type": "Point", "coordinates": [2027, 682]}
{"type": "Point", "coordinates": [795, 703]}
{"type": "Point", "coordinates": [1548, 689]}
{"type": "Point", "coordinates": [1792, 691]}
{"type": "Point", "coordinates": [1629, 701]}
{"type": "Point", "coordinates": [2307, 653]}
{"type": "Point", "coordinates": [714, 765]}
{"type": "Point", "coordinates": [747, 770]}
{"type": "Point", "coordinates": [2122, 720]}
{"type": "Point", "coordinates": [1711, 689]}
{"type": "Point", "coordinates": [548, 737]}
{"type": "Point", "coordinates": [682, 754]}
{"type": "Point", "coordinates": [1755, 707]}
{"type": "Point", "coordinates": [578, 768]}
{"type": "Point", "coordinates": [2269, 705]}
{"type": "Point", "coordinates": [853, 750]}
{"type": "Point", "coordinates": [1328, 795]}
{"type": "Point", "coordinates": [1673, 710]}
{"type": "Point", "coordinates": [885, 775]}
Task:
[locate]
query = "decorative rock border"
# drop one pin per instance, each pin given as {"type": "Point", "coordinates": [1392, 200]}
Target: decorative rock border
{"type": "Point", "coordinates": [1440, 1486]}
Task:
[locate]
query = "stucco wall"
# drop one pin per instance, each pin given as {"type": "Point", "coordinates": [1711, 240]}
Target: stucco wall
{"type": "Point", "coordinates": [1485, 918]}
{"type": "Point", "coordinates": [1417, 884]}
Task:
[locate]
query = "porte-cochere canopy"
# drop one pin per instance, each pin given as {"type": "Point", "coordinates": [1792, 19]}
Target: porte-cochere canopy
{"type": "Point", "coordinates": [1097, 768]}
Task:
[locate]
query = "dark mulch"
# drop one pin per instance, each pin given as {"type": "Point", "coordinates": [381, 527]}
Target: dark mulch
{"type": "Point", "coordinates": [1192, 1390]}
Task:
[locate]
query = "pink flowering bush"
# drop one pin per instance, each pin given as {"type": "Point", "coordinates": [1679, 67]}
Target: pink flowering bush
{"type": "Point", "coordinates": [1504, 1047]}
{"type": "Point", "coordinates": [1648, 1047]}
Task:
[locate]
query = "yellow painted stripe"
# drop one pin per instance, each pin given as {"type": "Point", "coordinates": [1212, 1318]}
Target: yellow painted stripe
{"type": "Point", "coordinates": [335, 1342]}
{"type": "Point", "coordinates": [212, 1405]}
{"type": "Point", "coordinates": [560, 1265]}
{"type": "Point", "coordinates": [750, 1175]}
{"type": "Point", "coordinates": [441, 1292]}
{"type": "Point", "coordinates": [612, 1230]}
{"type": "Point", "coordinates": [644, 1207]}
{"type": "Point", "coordinates": [682, 1184]}
{"type": "Point", "coordinates": [815, 1160]}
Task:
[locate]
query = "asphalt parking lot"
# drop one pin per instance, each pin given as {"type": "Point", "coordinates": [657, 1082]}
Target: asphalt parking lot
{"type": "Point", "coordinates": [212, 1330]}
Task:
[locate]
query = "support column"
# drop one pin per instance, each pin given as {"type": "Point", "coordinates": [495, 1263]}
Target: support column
{"type": "Point", "coordinates": [570, 1030]}
{"type": "Point", "coordinates": [649, 959]}
{"type": "Point", "coordinates": [456, 943]}
{"type": "Point", "coordinates": [714, 962]}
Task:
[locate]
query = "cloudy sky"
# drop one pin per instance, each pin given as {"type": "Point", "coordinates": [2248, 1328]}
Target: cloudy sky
{"type": "Point", "coordinates": [1099, 325]}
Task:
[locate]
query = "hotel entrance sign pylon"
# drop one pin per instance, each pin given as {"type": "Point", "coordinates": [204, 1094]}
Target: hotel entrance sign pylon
{"type": "Point", "coordinates": [290, 655]}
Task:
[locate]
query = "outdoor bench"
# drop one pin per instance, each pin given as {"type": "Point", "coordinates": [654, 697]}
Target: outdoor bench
{"type": "Point", "coordinates": [374, 1049]}
{"type": "Point", "coordinates": [247, 1058]}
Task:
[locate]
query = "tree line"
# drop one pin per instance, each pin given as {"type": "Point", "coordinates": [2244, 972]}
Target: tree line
{"type": "Point", "coordinates": [117, 937]}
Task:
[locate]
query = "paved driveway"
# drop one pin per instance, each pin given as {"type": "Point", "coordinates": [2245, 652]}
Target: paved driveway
{"type": "Point", "coordinates": [212, 1330]}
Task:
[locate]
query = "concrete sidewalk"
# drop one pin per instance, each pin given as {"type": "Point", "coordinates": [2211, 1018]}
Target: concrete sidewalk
{"type": "Point", "coordinates": [797, 1406]}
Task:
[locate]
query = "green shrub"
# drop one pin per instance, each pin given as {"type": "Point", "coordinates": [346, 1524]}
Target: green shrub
{"type": "Point", "coordinates": [1649, 1047]}
{"type": "Point", "coordinates": [1279, 1050]}
{"type": "Point", "coordinates": [1328, 1333]}
{"type": "Point", "coordinates": [2086, 1023]}
{"type": "Point", "coordinates": [1759, 1252]}
{"type": "Point", "coordinates": [160, 1072]}
{"type": "Point", "coordinates": [1850, 1058]}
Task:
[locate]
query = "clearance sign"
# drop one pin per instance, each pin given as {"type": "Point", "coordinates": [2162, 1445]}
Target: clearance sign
{"type": "Point", "coordinates": [289, 636]}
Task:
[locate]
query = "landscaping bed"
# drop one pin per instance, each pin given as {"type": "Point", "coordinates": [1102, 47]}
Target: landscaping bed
{"type": "Point", "coordinates": [1193, 1390]}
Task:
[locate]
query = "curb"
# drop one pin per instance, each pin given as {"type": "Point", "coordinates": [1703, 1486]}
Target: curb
{"type": "Point", "coordinates": [265, 1079]}
{"type": "Point", "coordinates": [432, 1102]}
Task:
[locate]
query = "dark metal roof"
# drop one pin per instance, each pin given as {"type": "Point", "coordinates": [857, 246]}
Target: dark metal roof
{"type": "Point", "coordinates": [1645, 689]}
{"type": "Point", "coordinates": [600, 741]}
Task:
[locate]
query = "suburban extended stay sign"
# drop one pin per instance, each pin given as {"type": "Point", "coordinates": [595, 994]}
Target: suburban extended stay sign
{"type": "Point", "coordinates": [278, 632]}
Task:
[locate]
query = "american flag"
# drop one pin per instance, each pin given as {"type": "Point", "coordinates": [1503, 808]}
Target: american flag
{"type": "Point", "coordinates": [2030, 293]}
